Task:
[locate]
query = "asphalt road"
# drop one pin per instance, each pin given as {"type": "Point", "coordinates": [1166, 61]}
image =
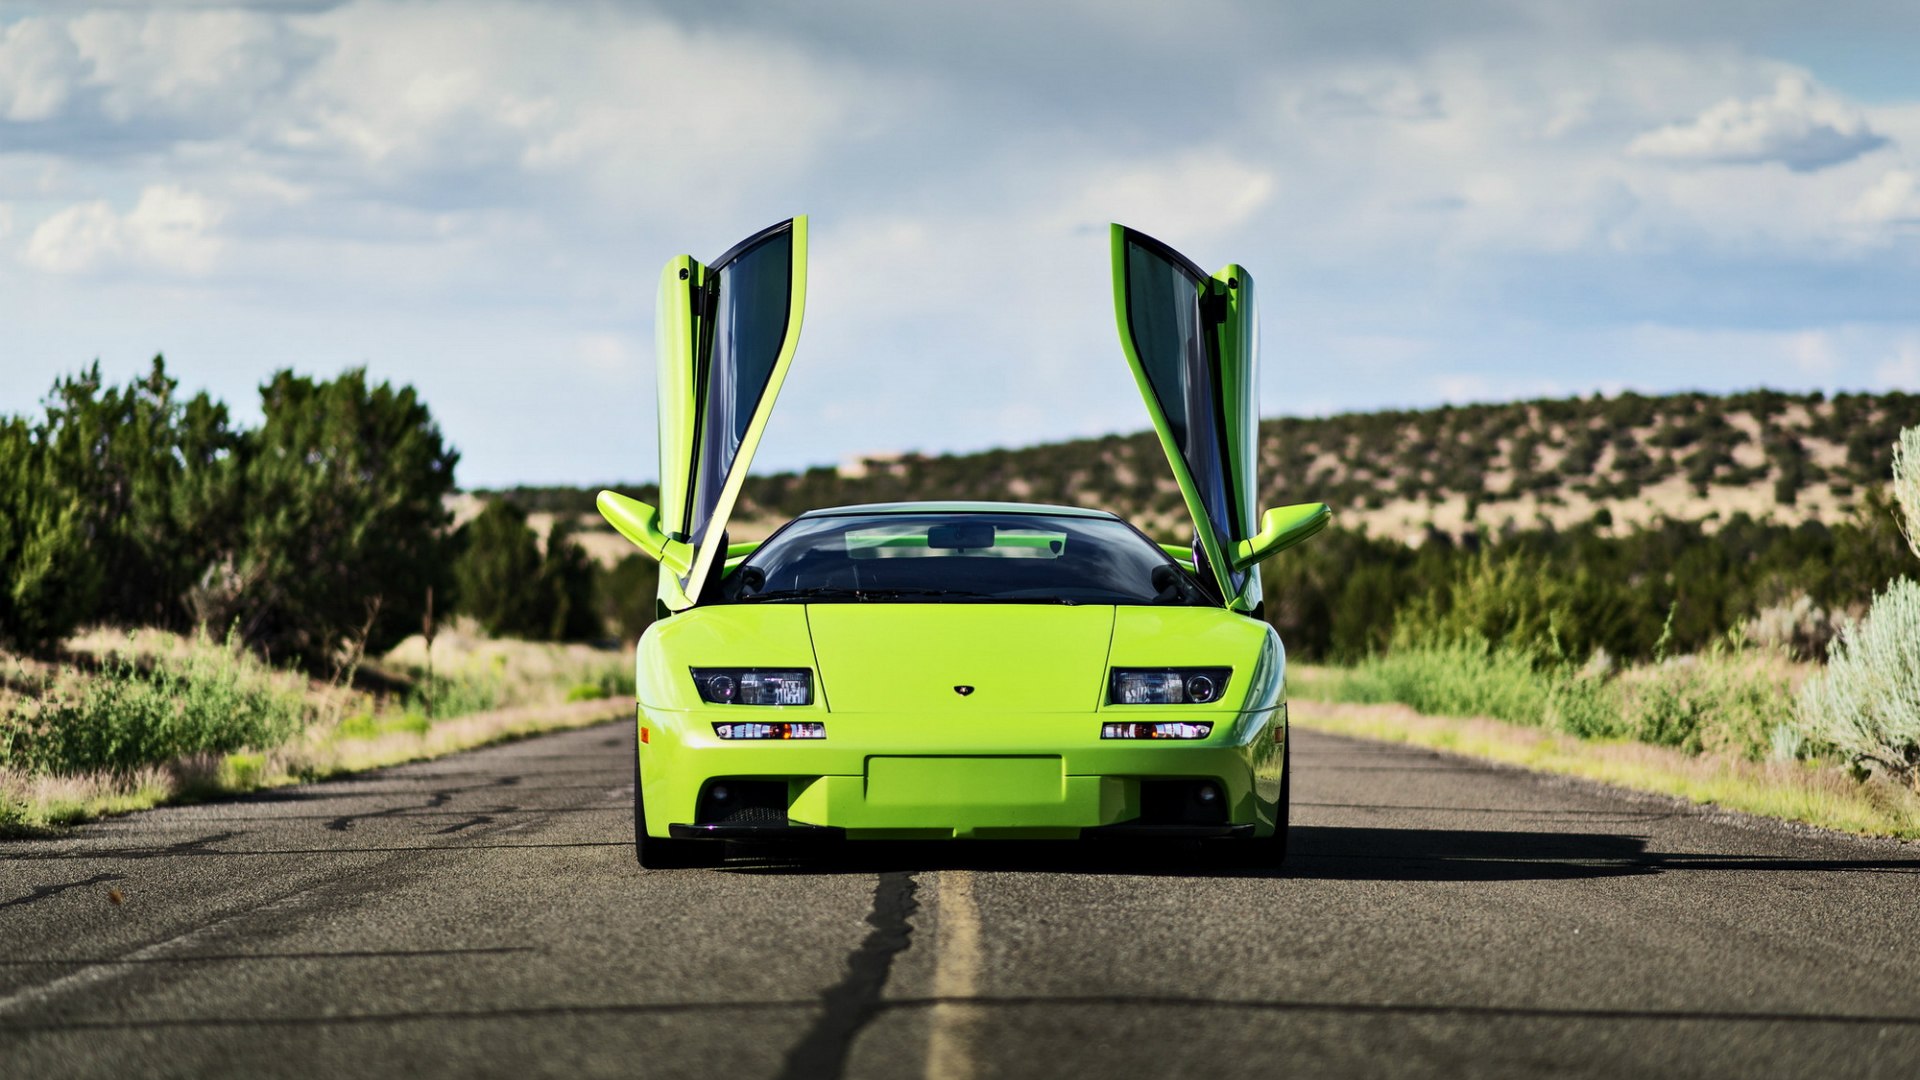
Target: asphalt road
{"type": "Point", "coordinates": [482, 916]}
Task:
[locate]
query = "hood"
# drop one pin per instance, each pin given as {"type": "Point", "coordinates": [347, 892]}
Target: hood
{"type": "Point", "coordinates": [910, 657]}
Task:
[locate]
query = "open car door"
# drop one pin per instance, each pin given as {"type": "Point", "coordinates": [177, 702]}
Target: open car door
{"type": "Point", "coordinates": [1192, 340]}
{"type": "Point", "coordinates": [725, 335]}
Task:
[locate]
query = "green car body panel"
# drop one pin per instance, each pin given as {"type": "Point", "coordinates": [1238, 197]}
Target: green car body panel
{"type": "Point", "coordinates": [955, 720]}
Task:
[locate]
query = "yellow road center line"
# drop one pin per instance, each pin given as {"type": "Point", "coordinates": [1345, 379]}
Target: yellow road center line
{"type": "Point", "coordinates": [956, 974]}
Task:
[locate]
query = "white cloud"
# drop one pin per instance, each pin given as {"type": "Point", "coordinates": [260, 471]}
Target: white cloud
{"type": "Point", "coordinates": [1800, 126]}
{"type": "Point", "coordinates": [168, 229]}
{"type": "Point", "coordinates": [1901, 371]}
{"type": "Point", "coordinates": [39, 68]}
{"type": "Point", "coordinates": [1893, 200]}
{"type": "Point", "coordinates": [1462, 389]}
{"type": "Point", "coordinates": [606, 354]}
{"type": "Point", "coordinates": [204, 66]}
{"type": "Point", "coordinates": [1813, 353]}
{"type": "Point", "coordinates": [1196, 196]}
{"type": "Point", "coordinates": [509, 101]}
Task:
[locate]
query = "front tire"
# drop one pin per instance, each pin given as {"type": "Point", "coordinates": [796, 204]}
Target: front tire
{"type": "Point", "coordinates": [660, 853]}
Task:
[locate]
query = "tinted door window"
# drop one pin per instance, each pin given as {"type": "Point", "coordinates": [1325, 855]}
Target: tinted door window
{"type": "Point", "coordinates": [1173, 335]}
{"type": "Point", "coordinates": [749, 299]}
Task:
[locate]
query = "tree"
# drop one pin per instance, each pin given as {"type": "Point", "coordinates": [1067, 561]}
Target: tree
{"type": "Point", "coordinates": [503, 580]}
{"type": "Point", "coordinates": [627, 596]}
{"type": "Point", "coordinates": [497, 574]}
{"type": "Point", "coordinates": [344, 518]}
{"type": "Point", "coordinates": [155, 480]}
{"type": "Point", "coordinates": [567, 578]}
{"type": "Point", "coordinates": [52, 575]}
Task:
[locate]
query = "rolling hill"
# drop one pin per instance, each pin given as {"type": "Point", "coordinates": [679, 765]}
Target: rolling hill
{"type": "Point", "coordinates": [1622, 461]}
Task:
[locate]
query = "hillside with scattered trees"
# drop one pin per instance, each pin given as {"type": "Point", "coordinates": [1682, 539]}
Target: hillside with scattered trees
{"type": "Point", "coordinates": [1631, 524]}
{"type": "Point", "coordinates": [1628, 460]}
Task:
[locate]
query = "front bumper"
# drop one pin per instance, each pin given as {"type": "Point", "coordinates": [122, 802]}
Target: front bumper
{"type": "Point", "coordinates": [1043, 776]}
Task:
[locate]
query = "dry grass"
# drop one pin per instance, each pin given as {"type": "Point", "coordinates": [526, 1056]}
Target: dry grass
{"type": "Point", "coordinates": [29, 801]}
{"type": "Point", "coordinates": [524, 672]}
{"type": "Point", "coordinates": [1825, 796]}
{"type": "Point", "coordinates": [487, 691]}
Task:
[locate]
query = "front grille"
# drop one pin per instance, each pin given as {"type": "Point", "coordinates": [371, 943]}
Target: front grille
{"type": "Point", "coordinates": [752, 815]}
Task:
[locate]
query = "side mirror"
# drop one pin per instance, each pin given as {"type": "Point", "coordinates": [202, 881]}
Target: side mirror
{"type": "Point", "coordinates": [1167, 586]}
{"type": "Point", "coordinates": [640, 523]}
{"type": "Point", "coordinates": [1280, 529]}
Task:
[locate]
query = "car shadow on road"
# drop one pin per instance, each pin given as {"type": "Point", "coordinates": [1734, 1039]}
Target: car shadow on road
{"type": "Point", "coordinates": [1316, 852]}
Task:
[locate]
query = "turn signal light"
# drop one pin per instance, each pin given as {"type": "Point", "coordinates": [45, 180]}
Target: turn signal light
{"type": "Point", "coordinates": [802, 730]}
{"type": "Point", "coordinates": [1155, 731]}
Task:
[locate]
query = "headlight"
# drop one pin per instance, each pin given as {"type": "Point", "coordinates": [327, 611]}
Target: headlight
{"type": "Point", "coordinates": [754, 686]}
{"type": "Point", "coordinates": [1167, 686]}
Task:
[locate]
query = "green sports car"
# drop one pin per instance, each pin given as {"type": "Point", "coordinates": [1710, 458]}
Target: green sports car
{"type": "Point", "coordinates": [957, 669]}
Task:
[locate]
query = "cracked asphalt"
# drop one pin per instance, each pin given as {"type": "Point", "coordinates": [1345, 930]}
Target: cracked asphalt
{"type": "Point", "coordinates": [482, 915]}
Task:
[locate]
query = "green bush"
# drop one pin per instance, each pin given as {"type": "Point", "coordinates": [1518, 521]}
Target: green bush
{"type": "Point", "coordinates": [1454, 679]}
{"type": "Point", "coordinates": [1731, 698]}
{"type": "Point", "coordinates": [214, 701]}
{"type": "Point", "coordinates": [444, 698]}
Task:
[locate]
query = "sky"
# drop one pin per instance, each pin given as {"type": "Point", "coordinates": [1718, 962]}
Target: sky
{"type": "Point", "coordinates": [1479, 201]}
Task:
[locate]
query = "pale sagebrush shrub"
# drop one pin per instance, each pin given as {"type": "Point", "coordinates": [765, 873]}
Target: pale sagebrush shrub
{"type": "Point", "coordinates": [1867, 703]}
{"type": "Point", "coordinates": [1786, 743]}
{"type": "Point", "coordinates": [1906, 485]}
{"type": "Point", "coordinates": [1799, 626]}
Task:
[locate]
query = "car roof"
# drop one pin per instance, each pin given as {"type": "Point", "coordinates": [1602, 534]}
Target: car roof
{"type": "Point", "coordinates": [959, 507]}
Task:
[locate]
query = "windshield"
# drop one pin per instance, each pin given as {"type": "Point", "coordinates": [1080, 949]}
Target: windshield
{"type": "Point", "coordinates": [960, 558]}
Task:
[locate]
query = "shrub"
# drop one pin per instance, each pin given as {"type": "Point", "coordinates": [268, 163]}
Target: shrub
{"type": "Point", "coordinates": [1906, 486]}
{"type": "Point", "coordinates": [442, 698]}
{"type": "Point", "coordinates": [1867, 703]}
{"type": "Point", "coordinates": [1798, 627]}
{"type": "Point", "coordinates": [1454, 679]}
{"type": "Point", "coordinates": [215, 700]}
{"type": "Point", "coordinates": [1732, 698]}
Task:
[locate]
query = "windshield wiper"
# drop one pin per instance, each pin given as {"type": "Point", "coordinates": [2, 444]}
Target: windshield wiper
{"type": "Point", "coordinates": [838, 592]}
{"type": "Point", "coordinates": [823, 592]}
